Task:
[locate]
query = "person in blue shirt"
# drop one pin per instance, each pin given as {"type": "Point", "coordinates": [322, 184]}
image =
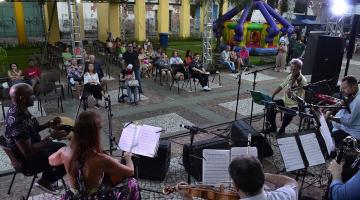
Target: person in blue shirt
{"type": "Point", "coordinates": [347, 123]}
{"type": "Point", "coordinates": [343, 191]}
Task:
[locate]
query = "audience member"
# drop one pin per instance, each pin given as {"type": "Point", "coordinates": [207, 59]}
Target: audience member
{"type": "Point", "coordinates": [198, 71]}
{"type": "Point", "coordinates": [234, 58]}
{"type": "Point", "coordinates": [244, 56]}
{"type": "Point", "coordinates": [177, 66]}
{"type": "Point", "coordinates": [132, 57]}
{"type": "Point", "coordinates": [89, 168]}
{"type": "Point", "coordinates": [74, 73]}
{"type": "Point", "coordinates": [225, 59]}
{"type": "Point", "coordinates": [97, 66]}
{"type": "Point", "coordinates": [32, 73]}
{"type": "Point", "coordinates": [66, 56]}
{"type": "Point", "coordinates": [131, 84]}
{"type": "Point", "coordinates": [188, 58]}
{"type": "Point", "coordinates": [298, 48]}
{"type": "Point", "coordinates": [145, 65]}
{"type": "Point", "coordinates": [281, 57]}
{"type": "Point", "coordinates": [15, 74]}
{"type": "Point", "coordinates": [164, 67]}
{"type": "Point", "coordinates": [92, 84]}
{"type": "Point", "coordinates": [23, 138]}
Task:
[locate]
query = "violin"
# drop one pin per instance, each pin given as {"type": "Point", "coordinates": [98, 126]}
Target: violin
{"type": "Point", "coordinates": [204, 191]}
{"type": "Point", "coordinates": [63, 124]}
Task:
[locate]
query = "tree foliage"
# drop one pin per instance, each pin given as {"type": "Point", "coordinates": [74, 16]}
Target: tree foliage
{"type": "Point", "coordinates": [284, 6]}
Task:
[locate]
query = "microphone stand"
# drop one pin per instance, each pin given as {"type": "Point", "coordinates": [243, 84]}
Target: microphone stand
{"type": "Point", "coordinates": [110, 115]}
{"type": "Point", "coordinates": [253, 88]}
{"type": "Point", "coordinates": [238, 94]}
{"type": "Point", "coordinates": [192, 134]}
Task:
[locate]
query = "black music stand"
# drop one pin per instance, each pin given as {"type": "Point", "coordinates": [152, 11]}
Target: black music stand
{"type": "Point", "coordinates": [253, 88]}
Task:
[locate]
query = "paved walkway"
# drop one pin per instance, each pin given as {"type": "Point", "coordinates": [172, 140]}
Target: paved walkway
{"type": "Point", "coordinates": [168, 109]}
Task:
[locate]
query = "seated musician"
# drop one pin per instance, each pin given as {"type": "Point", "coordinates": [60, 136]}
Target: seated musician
{"type": "Point", "coordinates": [248, 178]}
{"type": "Point", "coordinates": [340, 190]}
{"type": "Point", "coordinates": [345, 123]}
{"type": "Point", "coordinates": [293, 86]}
{"type": "Point", "coordinates": [87, 164]}
{"type": "Point", "coordinates": [22, 136]}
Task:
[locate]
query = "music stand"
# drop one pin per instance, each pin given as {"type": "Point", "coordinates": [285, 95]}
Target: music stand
{"type": "Point", "coordinates": [262, 99]}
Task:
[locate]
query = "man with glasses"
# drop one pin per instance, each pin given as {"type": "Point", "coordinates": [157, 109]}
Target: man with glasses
{"type": "Point", "coordinates": [131, 57]}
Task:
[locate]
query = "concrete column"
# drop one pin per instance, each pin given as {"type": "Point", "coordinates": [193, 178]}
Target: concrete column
{"type": "Point", "coordinates": [20, 22]}
{"type": "Point", "coordinates": [114, 19]}
{"type": "Point", "coordinates": [81, 16]}
{"type": "Point", "coordinates": [54, 34]}
{"type": "Point", "coordinates": [185, 19]}
{"type": "Point", "coordinates": [140, 20]}
{"type": "Point", "coordinates": [225, 6]}
{"type": "Point", "coordinates": [163, 16]}
{"type": "Point", "coordinates": [103, 19]}
{"type": "Point", "coordinates": [202, 14]}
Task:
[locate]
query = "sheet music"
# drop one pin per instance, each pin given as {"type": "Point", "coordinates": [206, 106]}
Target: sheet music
{"type": "Point", "coordinates": [238, 151]}
{"type": "Point", "coordinates": [147, 141]}
{"type": "Point", "coordinates": [215, 166]}
{"type": "Point", "coordinates": [325, 132]}
{"type": "Point", "coordinates": [129, 137]}
{"type": "Point", "coordinates": [290, 153]}
{"type": "Point", "coordinates": [312, 149]}
{"type": "Point", "coordinates": [141, 140]}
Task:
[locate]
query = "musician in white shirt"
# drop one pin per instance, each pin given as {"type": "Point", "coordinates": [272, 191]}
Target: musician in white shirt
{"type": "Point", "coordinates": [92, 84]}
{"type": "Point", "coordinates": [248, 178]}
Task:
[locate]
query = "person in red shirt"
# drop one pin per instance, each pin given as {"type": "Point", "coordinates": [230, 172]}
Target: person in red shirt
{"type": "Point", "coordinates": [243, 54]}
{"type": "Point", "coordinates": [32, 73]}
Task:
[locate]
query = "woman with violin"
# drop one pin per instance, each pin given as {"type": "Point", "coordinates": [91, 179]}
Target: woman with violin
{"type": "Point", "coordinates": [347, 121]}
{"type": "Point", "coordinates": [87, 165]}
{"type": "Point", "coordinates": [248, 178]}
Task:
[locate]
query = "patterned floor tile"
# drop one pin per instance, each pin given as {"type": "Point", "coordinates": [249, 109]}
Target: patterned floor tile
{"type": "Point", "coordinates": [114, 96]}
{"type": "Point", "coordinates": [169, 122]}
{"type": "Point", "coordinates": [244, 107]}
{"type": "Point", "coordinates": [5, 163]}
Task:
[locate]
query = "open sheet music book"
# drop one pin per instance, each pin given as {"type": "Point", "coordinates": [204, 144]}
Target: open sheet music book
{"type": "Point", "coordinates": [300, 151]}
{"type": "Point", "coordinates": [140, 139]}
{"type": "Point", "coordinates": [216, 163]}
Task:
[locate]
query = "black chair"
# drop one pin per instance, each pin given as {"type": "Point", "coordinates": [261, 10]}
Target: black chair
{"type": "Point", "coordinates": [47, 91]}
{"type": "Point", "coordinates": [5, 99]}
{"type": "Point", "coordinates": [53, 76]}
{"type": "Point", "coordinates": [17, 166]}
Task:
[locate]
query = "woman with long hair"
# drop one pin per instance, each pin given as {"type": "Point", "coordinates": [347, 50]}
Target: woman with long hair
{"type": "Point", "coordinates": [87, 164]}
{"type": "Point", "coordinates": [15, 74]}
{"type": "Point", "coordinates": [92, 84]}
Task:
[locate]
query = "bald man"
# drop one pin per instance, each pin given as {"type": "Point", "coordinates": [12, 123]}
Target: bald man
{"type": "Point", "coordinates": [22, 136]}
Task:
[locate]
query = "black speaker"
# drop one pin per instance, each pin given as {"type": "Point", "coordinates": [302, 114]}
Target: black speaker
{"type": "Point", "coordinates": [239, 137]}
{"type": "Point", "coordinates": [324, 59]}
{"type": "Point", "coordinates": [193, 161]}
{"type": "Point", "coordinates": [157, 167]}
{"type": "Point", "coordinates": [310, 52]}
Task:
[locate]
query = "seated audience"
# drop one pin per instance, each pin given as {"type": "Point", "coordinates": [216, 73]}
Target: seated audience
{"type": "Point", "coordinates": [198, 71]}
{"type": "Point", "coordinates": [15, 74]}
{"type": "Point", "coordinates": [340, 190]}
{"type": "Point", "coordinates": [131, 84]}
{"type": "Point", "coordinates": [23, 138]}
{"type": "Point", "coordinates": [244, 56]}
{"type": "Point", "coordinates": [248, 178]}
{"type": "Point", "coordinates": [177, 66]}
{"type": "Point", "coordinates": [74, 73]}
{"type": "Point", "coordinates": [188, 58]}
{"type": "Point", "coordinates": [234, 57]}
{"type": "Point", "coordinates": [225, 59]}
{"type": "Point", "coordinates": [92, 84]}
{"type": "Point", "coordinates": [66, 56]}
{"type": "Point", "coordinates": [164, 67]}
{"type": "Point", "coordinates": [89, 168]}
{"type": "Point", "coordinates": [32, 73]}
{"type": "Point", "coordinates": [97, 66]}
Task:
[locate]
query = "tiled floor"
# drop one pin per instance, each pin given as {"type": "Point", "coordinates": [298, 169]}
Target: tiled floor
{"type": "Point", "coordinates": [244, 107]}
{"type": "Point", "coordinates": [250, 77]}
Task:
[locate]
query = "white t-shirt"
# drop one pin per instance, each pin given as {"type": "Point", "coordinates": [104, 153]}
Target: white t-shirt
{"type": "Point", "coordinates": [283, 193]}
{"type": "Point", "coordinates": [90, 78]}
